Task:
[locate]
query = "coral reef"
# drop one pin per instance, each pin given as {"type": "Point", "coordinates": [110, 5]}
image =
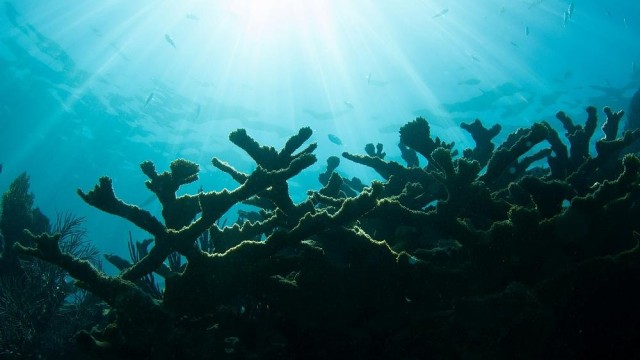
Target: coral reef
{"type": "Point", "coordinates": [18, 214]}
{"type": "Point", "coordinates": [40, 311]}
{"type": "Point", "coordinates": [529, 249]}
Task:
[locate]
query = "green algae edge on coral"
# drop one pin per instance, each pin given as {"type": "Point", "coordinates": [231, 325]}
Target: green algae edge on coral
{"type": "Point", "coordinates": [439, 261]}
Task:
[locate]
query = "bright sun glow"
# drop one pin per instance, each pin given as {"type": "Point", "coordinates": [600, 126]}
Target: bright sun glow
{"type": "Point", "coordinates": [270, 17]}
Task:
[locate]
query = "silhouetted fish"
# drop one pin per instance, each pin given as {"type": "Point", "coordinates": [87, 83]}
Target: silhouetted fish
{"type": "Point", "coordinates": [486, 100]}
{"type": "Point", "coordinates": [534, 4]}
{"type": "Point", "coordinates": [191, 16]}
{"type": "Point", "coordinates": [444, 11]}
{"type": "Point", "coordinates": [472, 81]}
{"type": "Point", "coordinates": [570, 10]}
{"type": "Point", "coordinates": [170, 40]}
{"type": "Point", "coordinates": [149, 98]}
{"type": "Point", "coordinates": [349, 104]}
{"type": "Point", "coordinates": [150, 199]}
{"type": "Point", "coordinates": [334, 139]}
{"type": "Point", "coordinates": [197, 112]}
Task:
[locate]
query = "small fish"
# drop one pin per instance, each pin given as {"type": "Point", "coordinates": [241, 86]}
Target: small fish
{"type": "Point", "coordinates": [534, 4]}
{"type": "Point", "coordinates": [475, 58]}
{"type": "Point", "coordinates": [570, 10]}
{"type": "Point", "coordinates": [441, 13]}
{"type": "Point", "coordinates": [513, 43]}
{"type": "Point", "coordinates": [348, 104]}
{"type": "Point", "coordinates": [624, 20]}
{"type": "Point", "coordinates": [149, 98]}
{"type": "Point", "coordinates": [197, 112]}
{"type": "Point", "coordinates": [96, 31]}
{"type": "Point", "coordinates": [369, 79]}
{"type": "Point", "coordinates": [191, 16]}
{"type": "Point", "coordinates": [472, 81]}
{"type": "Point", "coordinates": [170, 40]}
{"type": "Point", "coordinates": [334, 139]}
{"type": "Point", "coordinates": [633, 68]}
{"type": "Point", "coordinates": [150, 199]}
{"type": "Point", "coordinates": [526, 30]}
{"type": "Point", "coordinates": [565, 20]}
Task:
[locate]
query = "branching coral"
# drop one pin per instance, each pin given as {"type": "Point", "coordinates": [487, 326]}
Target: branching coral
{"type": "Point", "coordinates": [467, 254]}
{"type": "Point", "coordinates": [174, 235]}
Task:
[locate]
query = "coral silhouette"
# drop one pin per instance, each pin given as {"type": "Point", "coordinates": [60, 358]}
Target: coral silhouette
{"type": "Point", "coordinates": [40, 311]}
{"type": "Point", "coordinates": [527, 249]}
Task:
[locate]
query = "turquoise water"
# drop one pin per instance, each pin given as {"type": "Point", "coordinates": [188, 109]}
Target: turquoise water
{"type": "Point", "coordinates": [94, 88]}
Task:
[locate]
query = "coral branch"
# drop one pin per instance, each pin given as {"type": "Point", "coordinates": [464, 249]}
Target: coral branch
{"type": "Point", "coordinates": [238, 176]}
{"type": "Point", "coordinates": [522, 141]}
{"type": "Point", "coordinates": [611, 125]}
{"type": "Point", "coordinates": [295, 142]}
{"type": "Point", "coordinates": [417, 136]}
{"type": "Point", "coordinates": [118, 293]}
{"type": "Point", "coordinates": [482, 137]}
{"type": "Point", "coordinates": [176, 211]}
{"type": "Point", "coordinates": [103, 198]}
{"type": "Point", "coordinates": [382, 167]}
{"type": "Point", "coordinates": [578, 136]}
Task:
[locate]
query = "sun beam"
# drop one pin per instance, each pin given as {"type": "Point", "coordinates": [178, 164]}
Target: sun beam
{"type": "Point", "coordinates": [264, 18]}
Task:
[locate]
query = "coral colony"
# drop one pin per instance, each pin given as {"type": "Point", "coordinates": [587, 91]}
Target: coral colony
{"type": "Point", "coordinates": [527, 249]}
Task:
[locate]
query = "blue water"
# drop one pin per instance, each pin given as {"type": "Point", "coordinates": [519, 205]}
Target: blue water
{"type": "Point", "coordinates": [94, 88]}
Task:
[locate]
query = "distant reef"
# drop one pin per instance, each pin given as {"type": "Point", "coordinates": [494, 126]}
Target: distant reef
{"type": "Point", "coordinates": [528, 249]}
